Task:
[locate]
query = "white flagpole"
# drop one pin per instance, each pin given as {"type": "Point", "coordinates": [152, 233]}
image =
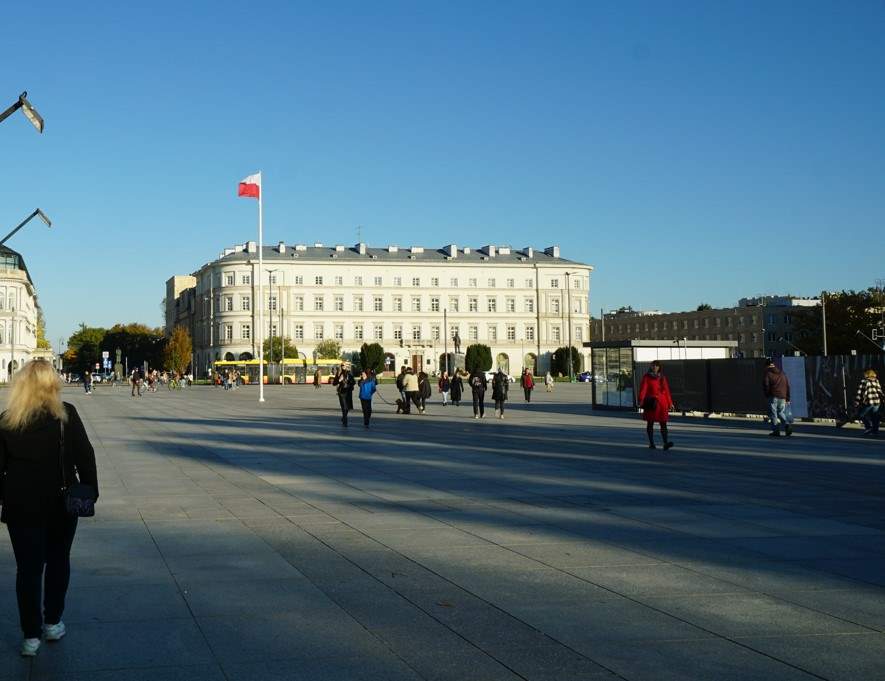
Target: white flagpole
{"type": "Point", "coordinates": [260, 289]}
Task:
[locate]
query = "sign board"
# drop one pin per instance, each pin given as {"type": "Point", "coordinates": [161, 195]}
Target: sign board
{"type": "Point", "coordinates": [97, 366]}
{"type": "Point", "coordinates": [105, 354]}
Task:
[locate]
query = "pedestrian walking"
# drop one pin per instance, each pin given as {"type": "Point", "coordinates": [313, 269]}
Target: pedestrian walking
{"type": "Point", "coordinates": [548, 382]}
{"type": "Point", "coordinates": [43, 449]}
{"type": "Point", "coordinates": [400, 383]}
{"type": "Point", "coordinates": [776, 387]}
{"type": "Point", "coordinates": [457, 388]}
{"type": "Point", "coordinates": [87, 382]}
{"type": "Point", "coordinates": [317, 379]}
{"type": "Point", "coordinates": [500, 386]}
{"type": "Point", "coordinates": [528, 384]}
{"type": "Point", "coordinates": [478, 385]}
{"type": "Point", "coordinates": [344, 385]}
{"type": "Point", "coordinates": [868, 402]}
{"type": "Point", "coordinates": [444, 386]}
{"type": "Point", "coordinates": [424, 390]}
{"type": "Point", "coordinates": [411, 390]}
{"type": "Point", "coordinates": [368, 385]}
{"type": "Point", "coordinates": [656, 402]}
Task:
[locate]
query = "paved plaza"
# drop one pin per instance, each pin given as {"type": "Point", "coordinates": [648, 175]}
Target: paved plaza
{"type": "Point", "coordinates": [237, 541]}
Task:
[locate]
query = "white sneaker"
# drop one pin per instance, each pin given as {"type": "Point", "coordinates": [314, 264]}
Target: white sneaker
{"type": "Point", "coordinates": [30, 646]}
{"type": "Point", "coordinates": [476, 416]}
{"type": "Point", "coordinates": [54, 632]}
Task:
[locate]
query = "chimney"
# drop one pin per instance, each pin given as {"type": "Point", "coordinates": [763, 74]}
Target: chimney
{"type": "Point", "coordinates": [503, 250]}
{"type": "Point", "coordinates": [529, 252]}
{"type": "Point", "coordinates": [339, 248]}
{"type": "Point", "coordinates": [251, 247]}
{"type": "Point", "coordinates": [552, 251]}
{"type": "Point", "coordinates": [490, 251]}
{"type": "Point", "coordinates": [416, 249]}
{"type": "Point", "coordinates": [282, 247]}
{"type": "Point", "coordinates": [317, 245]}
{"type": "Point", "coordinates": [361, 248]}
{"type": "Point", "coordinates": [451, 250]}
{"type": "Point", "coordinates": [300, 247]}
{"type": "Point", "coordinates": [392, 249]}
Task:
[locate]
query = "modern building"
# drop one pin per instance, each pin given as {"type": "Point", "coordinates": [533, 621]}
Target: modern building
{"type": "Point", "coordinates": [524, 303]}
{"type": "Point", "coordinates": [19, 312]}
{"type": "Point", "coordinates": [763, 326]}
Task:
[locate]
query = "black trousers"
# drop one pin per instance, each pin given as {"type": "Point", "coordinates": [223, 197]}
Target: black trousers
{"type": "Point", "coordinates": [43, 562]}
{"type": "Point", "coordinates": [479, 404]}
{"type": "Point", "coordinates": [412, 398]}
{"type": "Point", "coordinates": [499, 405]}
{"type": "Point", "coordinates": [528, 394]}
{"type": "Point", "coordinates": [342, 402]}
{"type": "Point", "coordinates": [367, 410]}
{"type": "Point", "coordinates": [650, 432]}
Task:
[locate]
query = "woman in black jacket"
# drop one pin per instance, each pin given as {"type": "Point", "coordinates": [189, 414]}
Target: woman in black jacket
{"type": "Point", "coordinates": [424, 390]}
{"type": "Point", "coordinates": [32, 429]}
{"type": "Point", "coordinates": [457, 388]}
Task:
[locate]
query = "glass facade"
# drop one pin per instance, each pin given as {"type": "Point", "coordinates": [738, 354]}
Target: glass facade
{"type": "Point", "coordinates": [613, 377]}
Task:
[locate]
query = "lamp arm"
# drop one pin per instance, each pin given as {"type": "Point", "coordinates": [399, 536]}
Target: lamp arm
{"type": "Point", "coordinates": [20, 225]}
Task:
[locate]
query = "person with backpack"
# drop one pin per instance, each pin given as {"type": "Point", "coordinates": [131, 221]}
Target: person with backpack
{"type": "Point", "coordinates": [500, 386]}
{"type": "Point", "coordinates": [528, 384]}
{"type": "Point", "coordinates": [444, 385]}
{"type": "Point", "coordinates": [48, 479]}
{"type": "Point", "coordinates": [457, 388]}
{"type": "Point", "coordinates": [478, 385]}
{"type": "Point", "coordinates": [656, 402]}
{"type": "Point", "coordinates": [368, 386]}
{"type": "Point", "coordinates": [776, 387]}
{"type": "Point", "coordinates": [344, 385]}
{"type": "Point", "coordinates": [868, 401]}
{"type": "Point", "coordinates": [548, 382]}
{"type": "Point", "coordinates": [400, 382]}
{"type": "Point", "coordinates": [424, 390]}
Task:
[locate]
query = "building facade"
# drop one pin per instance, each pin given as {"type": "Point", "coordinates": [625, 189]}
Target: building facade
{"type": "Point", "coordinates": [412, 301]}
{"type": "Point", "coordinates": [19, 311]}
{"type": "Point", "coordinates": [763, 326]}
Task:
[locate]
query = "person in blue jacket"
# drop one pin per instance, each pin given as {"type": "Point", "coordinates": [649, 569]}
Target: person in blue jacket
{"type": "Point", "coordinates": [368, 385]}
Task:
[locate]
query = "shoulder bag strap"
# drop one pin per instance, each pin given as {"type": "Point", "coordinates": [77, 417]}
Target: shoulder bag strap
{"type": "Point", "coordinates": [61, 454]}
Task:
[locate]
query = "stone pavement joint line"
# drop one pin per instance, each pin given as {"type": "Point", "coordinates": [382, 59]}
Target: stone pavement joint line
{"type": "Point", "coordinates": [237, 541]}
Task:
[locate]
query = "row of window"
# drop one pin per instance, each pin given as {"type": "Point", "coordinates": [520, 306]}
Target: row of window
{"type": "Point", "coordinates": [245, 279]}
{"type": "Point", "coordinates": [416, 304]}
{"type": "Point", "coordinates": [683, 324]}
{"type": "Point", "coordinates": [415, 332]}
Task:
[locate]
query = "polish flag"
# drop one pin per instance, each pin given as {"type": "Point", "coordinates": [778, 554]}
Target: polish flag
{"type": "Point", "coordinates": [250, 186]}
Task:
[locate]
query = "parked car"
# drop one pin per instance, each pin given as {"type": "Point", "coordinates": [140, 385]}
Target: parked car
{"type": "Point", "coordinates": [585, 377]}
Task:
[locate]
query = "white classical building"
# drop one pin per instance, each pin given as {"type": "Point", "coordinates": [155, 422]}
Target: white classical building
{"type": "Point", "coordinates": [523, 303]}
{"type": "Point", "coordinates": [18, 313]}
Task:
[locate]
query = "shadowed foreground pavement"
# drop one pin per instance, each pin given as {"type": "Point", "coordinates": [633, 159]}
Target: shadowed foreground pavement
{"type": "Point", "coordinates": [242, 542]}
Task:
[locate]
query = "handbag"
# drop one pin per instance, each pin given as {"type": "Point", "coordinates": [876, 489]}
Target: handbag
{"type": "Point", "coordinates": [79, 497]}
{"type": "Point", "coordinates": [649, 403]}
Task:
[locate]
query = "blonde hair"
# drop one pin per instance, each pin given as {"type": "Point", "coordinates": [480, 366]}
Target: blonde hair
{"type": "Point", "coordinates": [869, 373]}
{"type": "Point", "coordinates": [36, 390]}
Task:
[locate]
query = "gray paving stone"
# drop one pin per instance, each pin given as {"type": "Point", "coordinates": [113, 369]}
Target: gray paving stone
{"type": "Point", "coordinates": [229, 567]}
{"type": "Point", "coordinates": [188, 673]}
{"type": "Point", "coordinates": [386, 668]}
{"type": "Point", "coordinates": [124, 603]}
{"type": "Point", "coordinates": [654, 580]}
{"type": "Point", "coordinates": [836, 658]}
{"type": "Point", "coordinates": [208, 598]}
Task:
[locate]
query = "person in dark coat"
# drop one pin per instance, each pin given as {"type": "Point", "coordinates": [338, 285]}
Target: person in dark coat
{"type": "Point", "coordinates": [445, 387]}
{"type": "Point", "coordinates": [31, 479]}
{"type": "Point", "coordinates": [344, 384]}
{"type": "Point", "coordinates": [478, 385]}
{"type": "Point", "coordinates": [457, 388]}
{"type": "Point", "coordinates": [656, 402]}
{"type": "Point", "coordinates": [424, 390]}
{"type": "Point", "coordinates": [500, 386]}
{"type": "Point", "coordinates": [776, 387]}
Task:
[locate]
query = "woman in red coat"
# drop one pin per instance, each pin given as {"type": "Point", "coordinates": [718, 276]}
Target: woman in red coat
{"type": "Point", "coordinates": [656, 402]}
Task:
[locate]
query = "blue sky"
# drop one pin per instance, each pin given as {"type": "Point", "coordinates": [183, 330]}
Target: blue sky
{"type": "Point", "coordinates": [694, 151]}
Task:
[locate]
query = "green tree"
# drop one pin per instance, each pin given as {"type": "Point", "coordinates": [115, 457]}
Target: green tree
{"type": "Point", "coordinates": [328, 349]}
{"type": "Point", "coordinates": [84, 347]}
{"type": "Point", "coordinates": [704, 306]}
{"type": "Point", "coordinates": [372, 357]}
{"type": "Point", "coordinates": [848, 312]}
{"type": "Point", "coordinates": [42, 342]}
{"type": "Point", "coordinates": [559, 361]}
{"type": "Point", "coordinates": [178, 350]}
{"type": "Point", "coordinates": [281, 346]}
{"type": "Point", "coordinates": [478, 356]}
{"type": "Point", "coordinates": [137, 342]}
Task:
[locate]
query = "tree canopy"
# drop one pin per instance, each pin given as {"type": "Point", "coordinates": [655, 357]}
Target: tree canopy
{"type": "Point", "coordinates": [559, 361]}
{"type": "Point", "coordinates": [372, 357]}
{"type": "Point", "coordinates": [283, 348]}
{"type": "Point", "coordinates": [177, 351]}
{"type": "Point", "coordinates": [704, 306]}
{"type": "Point", "coordinates": [328, 349]}
{"type": "Point", "coordinates": [849, 313]}
{"type": "Point", "coordinates": [478, 356]}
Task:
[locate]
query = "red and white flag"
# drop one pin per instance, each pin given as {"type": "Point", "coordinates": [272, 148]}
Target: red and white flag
{"type": "Point", "coordinates": [250, 186]}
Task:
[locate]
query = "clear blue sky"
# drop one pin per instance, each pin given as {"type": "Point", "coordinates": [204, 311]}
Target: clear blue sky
{"type": "Point", "coordinates": [695, 151]}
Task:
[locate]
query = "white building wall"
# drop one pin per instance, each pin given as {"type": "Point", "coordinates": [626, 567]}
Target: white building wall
{"type": "Point", "coordinates": [486, 302]}
{"type": "Point", "coordinates": [18, 321]}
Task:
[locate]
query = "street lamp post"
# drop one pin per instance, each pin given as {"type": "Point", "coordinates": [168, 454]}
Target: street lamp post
{"type": "Point", "coordinates": [27, 109]}
{"type": "Point", "coordinates": [37, 213]}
